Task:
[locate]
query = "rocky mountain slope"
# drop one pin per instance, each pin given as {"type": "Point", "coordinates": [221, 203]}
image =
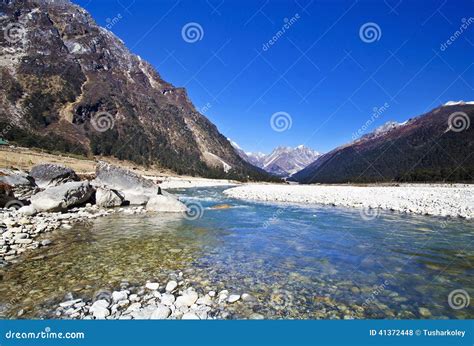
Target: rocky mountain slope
{"type": "Point", "coordinates": [282, 161]}
{"type": "Point", "coordinates": [69, 85]}
{"type": "Point", "coordinates": [436, 146]}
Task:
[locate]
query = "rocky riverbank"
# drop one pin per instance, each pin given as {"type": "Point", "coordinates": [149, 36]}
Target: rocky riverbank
{"type": "Point", "coordinates": [52, 196]}
{"type": "Point", "coordinates": [175, 299]}
{"type": "Point", "coordinates": [455, 200]}
{"type": "Point", "coordinates": [20, 232]}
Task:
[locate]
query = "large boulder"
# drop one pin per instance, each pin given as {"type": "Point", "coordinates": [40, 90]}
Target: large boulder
{"type": "Point", "coordinates": [59, 198]}
{"type": "Point", "coordinates": [167, 204]}
{"type": "Point", "coordinates": [135, 188]}
{"type": "Point", "coordinates": [22, 185]}
{"type": "Point", "coordinates": [48, 174]}
{"type": "Point", "coordinates": [108, 198]}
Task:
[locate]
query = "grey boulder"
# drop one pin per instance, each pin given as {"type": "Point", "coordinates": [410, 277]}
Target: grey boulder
{"type": "Point", "coordinates": [21, 184]}
{"type": "Point", "coordinates": [61, 197]}
{"type": "Point", "coordinates": [135, 188]}
{"type": "Point", "coordinates": [28, 210]}
{"type": "Point", "coordinates": [48, 174]}
{"type": "Point", "coordinates": [167, 204]}
{"type": "Point", "coordinates": [108, 198]}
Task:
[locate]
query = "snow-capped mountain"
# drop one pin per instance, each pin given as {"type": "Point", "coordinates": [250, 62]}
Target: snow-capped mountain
{"type": "Point", "coordinates": [282, 161]}
{"type": "Point", "coordinates": [434, 147]}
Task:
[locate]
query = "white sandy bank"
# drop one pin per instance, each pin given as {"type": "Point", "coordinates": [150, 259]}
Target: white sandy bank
{"type": "Point", "coordinates": [179, 182]}
{"type": "Point", "coordinates": [441, 200]}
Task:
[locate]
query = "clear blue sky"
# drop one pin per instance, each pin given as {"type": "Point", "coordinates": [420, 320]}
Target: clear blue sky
{"type": "Point", "coordinates": [319, 71]}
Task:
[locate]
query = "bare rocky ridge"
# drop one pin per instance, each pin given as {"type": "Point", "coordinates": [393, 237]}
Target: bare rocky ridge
{"type": "Point", "coordinates": [72, 86]}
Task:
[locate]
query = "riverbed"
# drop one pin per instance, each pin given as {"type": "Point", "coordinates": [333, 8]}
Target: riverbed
{"type": "Point", "coordinates": [297, 261]}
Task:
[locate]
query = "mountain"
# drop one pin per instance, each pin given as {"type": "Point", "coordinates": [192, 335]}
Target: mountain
{"type": "Point", "coordinates": [282, 161]}
{"type": "Point", "coordinates": [436, 146]}
{"type": "Point", "coordinates": [69, 85]}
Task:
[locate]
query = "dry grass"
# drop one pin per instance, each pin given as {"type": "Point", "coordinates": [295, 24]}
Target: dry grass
{"type": "Point", "coordinates": [25, 158]}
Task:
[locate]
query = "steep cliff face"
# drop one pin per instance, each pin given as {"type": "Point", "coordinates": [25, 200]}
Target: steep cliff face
{"type": "Point", "coordinates": [70, 85]}
{"type": "Point", "coordinates": [436, 146]}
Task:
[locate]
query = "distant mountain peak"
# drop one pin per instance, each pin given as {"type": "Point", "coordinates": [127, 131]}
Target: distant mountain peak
{"type": "Point", "coordinates": [282, 161]}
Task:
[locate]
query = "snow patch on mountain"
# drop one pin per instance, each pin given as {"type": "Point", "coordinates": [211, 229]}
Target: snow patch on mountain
{"type": "Point", "coordinates": [282, 161]}
{"type": "Point", "coordinates": [457, 103]}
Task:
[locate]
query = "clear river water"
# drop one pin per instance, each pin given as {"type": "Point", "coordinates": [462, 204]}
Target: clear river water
{"type": "Point", "coordinates": [297, 261]}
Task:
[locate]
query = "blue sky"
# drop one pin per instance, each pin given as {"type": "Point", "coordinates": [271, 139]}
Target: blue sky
{"type": "Point", "coordinates": [322, 71]}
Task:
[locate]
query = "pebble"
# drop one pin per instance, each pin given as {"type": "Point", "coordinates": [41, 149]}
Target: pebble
{"type": "Point", "coordinates": [167, 299]}
{"type": "Point", "coordinates": [100, 309]}
{"type": "Point", "coordinates": [69, 303]}
{"type": "Point", "coordinates": [46, 242]}
{"type": "Point", "coordinates": [160, 313]}
{"type": "Point", "coordinates": [152, 285]}
{"type": "Point", "coordinates": [424, 312]}
{"type": "Point", "coordinates": [171, 286]}
{"type": "Point", "coordinates": [233, 298]}
{"type": "Point", "coordinates": [119, 295]}
{"type": "Point", "coordinates": [188, 298]}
